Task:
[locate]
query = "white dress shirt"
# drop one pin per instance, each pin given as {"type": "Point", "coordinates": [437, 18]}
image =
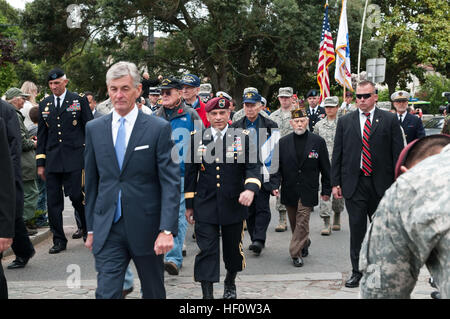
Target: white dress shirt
{"type": "Point", "coordinates": [362, 121]}
{"type": "Point", "coordinates": [130, 119]}
{"type": "Point", "coordinates": [214, 132]}
{"type": "Point", "coordinates": [61, 98]}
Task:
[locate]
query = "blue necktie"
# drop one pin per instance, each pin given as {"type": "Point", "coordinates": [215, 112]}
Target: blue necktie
{"type": "Point", "coordinates": [120, 148]}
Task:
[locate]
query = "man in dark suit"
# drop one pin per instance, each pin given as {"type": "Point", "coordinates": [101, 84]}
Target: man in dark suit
{"type": "Point", "coordinates": [7, 203]}
{"type": "Point", "coordinates": [411, 124]}
{"type": "Point", "coordinates": [260, 130]}
{"type": "Point", "coordinates": [366, 147]}
{"type": "Point", "coordinates": [314, 112]}
{"type": "Point", "coordinates": [221, 181]}
{"type": "Point", "coordinates": [21, 246]}
{"type": "Point", "coordinates": [303, 156]}
{"type": "Point", "coordinates": [128, 157]}
{"type": "Point", "coordinates": [59, 152]}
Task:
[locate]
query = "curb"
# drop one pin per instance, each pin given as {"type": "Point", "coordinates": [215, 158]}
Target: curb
{"type": "Point", "coordinates": [43, 234]}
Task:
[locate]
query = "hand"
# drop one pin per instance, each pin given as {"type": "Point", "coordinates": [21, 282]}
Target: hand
{"type": "Point", "coordinates": [276, 192]}
{"type": "Point", "coordinates": [246, 197]}
{"type": "Point", "coordinates": [325, 198]}
{"type": "Point", "coordinates": [190, 216]}
{"type": "Point", "coordinates": [337, 192]}
{"type": "Point", "coordinates": [41, 172]}
{"type": "Point", "coordinates": [163, 244]}
{"type": "Point", "coordinates": [5, 243]}
{"type": "Point", "coordinates": [89, 241]}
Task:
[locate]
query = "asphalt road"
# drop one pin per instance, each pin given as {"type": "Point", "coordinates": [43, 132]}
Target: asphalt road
{"type": "Point", "coordinates": [328, 254]}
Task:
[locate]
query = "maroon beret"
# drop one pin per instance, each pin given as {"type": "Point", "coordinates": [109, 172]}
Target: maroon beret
{"type": "Point", "coordinates": [217, 103]}
{"type": "Point", "coordinates": [402, 157]}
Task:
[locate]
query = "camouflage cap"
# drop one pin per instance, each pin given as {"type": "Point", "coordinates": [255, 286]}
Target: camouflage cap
{"type": "Point", "coordinates": [14, 92]}
{"type": "Point", "coordinates": [285, 92]}
{"type": "Point", "coordinates": [331, 101]}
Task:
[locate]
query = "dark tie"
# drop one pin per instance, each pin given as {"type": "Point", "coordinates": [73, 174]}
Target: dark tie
{"type": "Point", "coordinates": [366, 157]}
{"type": "Point", "coordinates": [400, 119]}
{"type": "Point", "coordinates": [58, 104]}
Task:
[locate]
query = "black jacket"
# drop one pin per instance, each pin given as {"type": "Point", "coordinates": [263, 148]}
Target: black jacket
{"type": "Point", "coordinates": [319, 114]}
{"type": "Point", "coordinates": [61, 137]}
{"type": "Point", "coordinates": [7, 189]}
{"type": "Point", "coordinates": [413, 127]}
{"type": "Point", "coordinates": [213, 182]}
{"type": "Point", "coordinates": [271, 126]}
{"type": "Point", "coordinates": [386, 143]}
{"type": "Point", "coordinates": [300, 180]}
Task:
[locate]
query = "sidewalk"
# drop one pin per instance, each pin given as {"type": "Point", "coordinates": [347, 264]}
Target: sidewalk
{"type": "Point", "coordinates": [295, 286]}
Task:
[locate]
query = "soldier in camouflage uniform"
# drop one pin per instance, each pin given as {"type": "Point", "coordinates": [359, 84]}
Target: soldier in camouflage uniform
{"type": "Point", "coordinates": [326, 128]}
{"type": "Point", "coordinates": [282, 116]}
{"type": "Point", "coordinates": [411, 227]}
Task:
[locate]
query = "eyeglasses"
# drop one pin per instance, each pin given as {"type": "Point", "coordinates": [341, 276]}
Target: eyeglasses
{"type": "Point", "coordinates": [365, 96]}
{"type": "Point", "coordinates": [166, 92]}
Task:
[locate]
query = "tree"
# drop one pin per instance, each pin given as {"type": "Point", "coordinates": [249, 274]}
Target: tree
{"type": "Point", "coordinates": [413, 33]}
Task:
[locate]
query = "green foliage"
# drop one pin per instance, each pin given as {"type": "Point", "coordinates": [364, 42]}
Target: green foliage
{"type": "Point", "coordinates": [432, 89]}
{"type": "Point", "coordinates": [8, 78]}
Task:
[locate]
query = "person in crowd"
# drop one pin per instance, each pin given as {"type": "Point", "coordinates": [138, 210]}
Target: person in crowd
{"type": "Point", "coordinates": [282, 117]}
{"type": "Point", "coordinates": [327, 130]}
{"type": "Point", "coordinates": [315, 112]}
{"type": "Point", "coordinates": [412, 125]}
{"type": "Point", "coordinates": [60, 149]}
{"type": "Point", "coordinates": [221, 182]}
{"type": "Point", "coordinates": [261, 131]}
{"type": "Point", "coordinates": [191, 89]}
{"type": "Point", "coordinates": [154, 96]}
{"type": "Point", "coordinates": [7, 203]}
{"type": "Point", "coordinates": [366, 147]}
{"type": "Point", "coordinates": [183, 120]}
{"type": "Point", "coordinates": [303, 157]}
{"type": "Point", "coordinates": [31, 91]}
{"type": "Point", "coordinates": [131, 224]}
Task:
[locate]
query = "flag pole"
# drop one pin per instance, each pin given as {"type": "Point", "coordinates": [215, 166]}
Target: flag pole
{"type": "Point", "coordinates": [361, 37]}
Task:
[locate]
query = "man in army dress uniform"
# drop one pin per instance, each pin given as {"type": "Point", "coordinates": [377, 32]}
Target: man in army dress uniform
{"type": "Point", "coordinates": [282, 117]}
{"type": "Point", "coordinates": [221, 181]}
{"type": "Point", "coordinates": [327, 130]}
{"type": "Point", "coordinates": [314, 112]}
{"type": "Point", "coordinates": [60, 152]}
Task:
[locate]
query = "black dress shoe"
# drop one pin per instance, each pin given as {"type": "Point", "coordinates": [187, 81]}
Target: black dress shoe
{"type": "Point", "coordinates": [353, 282]}
{"type": "Point", "coordinates": [257, 247]}
{"type": "Point", "coordinates": [20, 262]}
{"type": "Point", "coordinates": [229, 291]}
{"type": "Point", "coordinates": [77, 234]}
{"type": "Point", "coordinates": [298, 262]}
{"type": "Point", "coordinates": [305, 250]}
{"type": "Point", "coordinates": [57, 248]}
{"type": "Point", "coordinates": [207, 290]}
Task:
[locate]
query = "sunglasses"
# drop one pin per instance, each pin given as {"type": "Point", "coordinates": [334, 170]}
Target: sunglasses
{"type": "Point", "coordinates": [365, 96]}
{"type": "Point", "coordinates": [166, 92]}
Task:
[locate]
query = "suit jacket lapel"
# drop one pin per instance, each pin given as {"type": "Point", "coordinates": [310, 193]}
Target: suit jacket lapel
{"type": "Point", "coordinates": [109, 139]}
{"type": "Point", "coordinates": [376, 120]}
{"type": "Point", "coordinates": [356, 123]}
{"type": "Point", "coordinates": [136, 134]}
{"type": "Point", "coordinates": [292, 150]}
{"type": "Point", "coordinates": [306, 151]}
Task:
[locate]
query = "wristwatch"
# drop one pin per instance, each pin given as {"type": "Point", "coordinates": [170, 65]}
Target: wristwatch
{"type": "Point", "coordinates": [167, 232]}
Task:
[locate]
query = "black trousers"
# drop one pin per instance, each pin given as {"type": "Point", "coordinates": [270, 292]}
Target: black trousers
{"type": "Point", "coordinates": [360, 206]}
{"type": "Point", "coordinates": [55, 201]}
{"type": "Point", "coordinates": [207, 262]}
{"type": "Point", "coordinates": [259, 216]}
{"type": "Point", "coordinates": [21, 246]}
{"type": "Point", "coordinates": [3, 284]}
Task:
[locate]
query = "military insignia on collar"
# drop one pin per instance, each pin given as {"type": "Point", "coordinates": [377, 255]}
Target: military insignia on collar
{"type": "Point", "coordinates": [221, 103]}
{"type": "Point", "coordinates": [193, 132]}
{"type": "Point", "coordinates": [81, 94]}
{"type": "Point", "coordinates": [246, 132]}
{"type": "Point", "coordinates": [46, 109]}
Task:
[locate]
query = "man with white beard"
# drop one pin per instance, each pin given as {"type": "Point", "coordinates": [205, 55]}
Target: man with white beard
{"type": "Point", "coordinates": [303, 157]}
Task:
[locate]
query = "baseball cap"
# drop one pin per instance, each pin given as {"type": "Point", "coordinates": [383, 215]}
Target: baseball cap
{"type": "Point", "coordinates": [191, 80]}
{"type": "Point", "coordinates": [13, 92]}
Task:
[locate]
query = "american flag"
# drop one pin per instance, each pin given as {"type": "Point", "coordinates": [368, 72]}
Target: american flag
{"type": "Point", "coordinates": [326, 57]}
